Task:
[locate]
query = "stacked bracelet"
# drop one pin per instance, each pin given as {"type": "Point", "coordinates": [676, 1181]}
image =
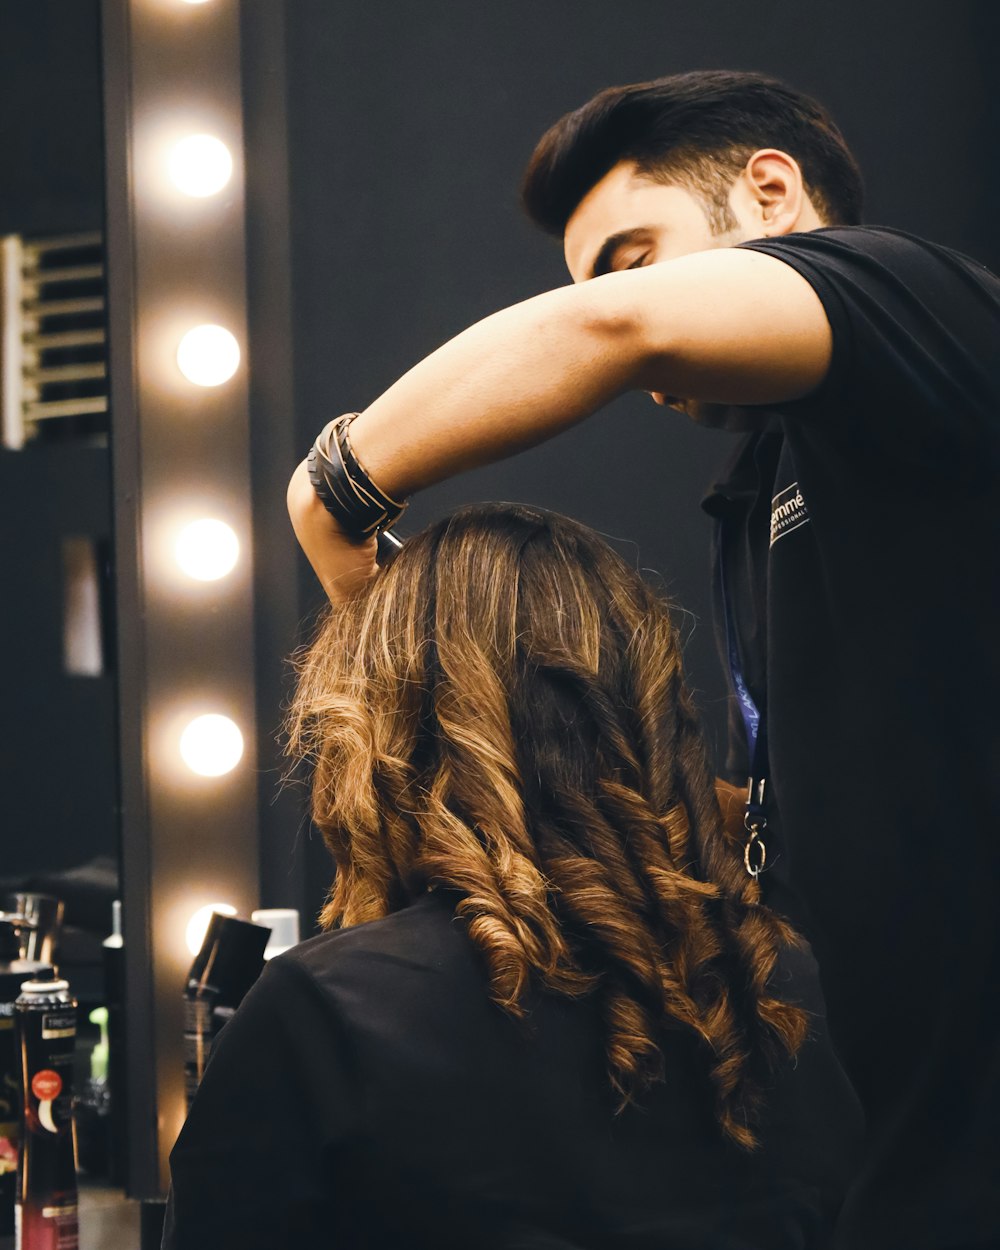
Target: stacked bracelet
{"type": "Point", "coordinates": [345, 489]}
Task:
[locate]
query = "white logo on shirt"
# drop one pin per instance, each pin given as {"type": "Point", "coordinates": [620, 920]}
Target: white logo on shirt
{"type": "Point", "coordinates": [788, 512]}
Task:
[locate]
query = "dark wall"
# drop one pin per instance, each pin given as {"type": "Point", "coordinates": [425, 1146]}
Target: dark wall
{"type": "Point", "coordinates": [50, 117]}
{"type": "Point", "coordinates": [409, 126]}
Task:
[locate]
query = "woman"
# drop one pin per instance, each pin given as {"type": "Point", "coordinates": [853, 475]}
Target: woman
{"type": "Point", "coordinates": [550, 1011]}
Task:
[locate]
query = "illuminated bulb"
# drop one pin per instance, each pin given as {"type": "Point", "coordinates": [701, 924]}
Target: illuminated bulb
{"type": "Point", "coordinates": [194, 1]}
{"type": "Point", "coordinates": [197, 926]}
{"type": "Point", "coordinates": [207, 549]}
{"type": "Point", "coordinates": [211, 745]}
{"type": "Point", "coordinates": [200, 165]}
{"type": "Point", "coordinates": [208, 355]}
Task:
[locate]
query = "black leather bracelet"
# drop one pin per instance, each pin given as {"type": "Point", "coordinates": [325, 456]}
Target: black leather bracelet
{"type": "Point", "coordinates": [358, 506]}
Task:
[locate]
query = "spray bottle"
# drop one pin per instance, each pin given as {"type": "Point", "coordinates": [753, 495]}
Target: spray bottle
{"type": "Point", "coordinates": [47, 1204]}
{"type": "Point", "coordinates": [114, 993]}
{"type": "Point", "coordinates": [13, 971]}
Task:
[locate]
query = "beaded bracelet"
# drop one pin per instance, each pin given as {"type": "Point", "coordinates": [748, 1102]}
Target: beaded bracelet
{"type": "Point", "coordinates": [343, 486]}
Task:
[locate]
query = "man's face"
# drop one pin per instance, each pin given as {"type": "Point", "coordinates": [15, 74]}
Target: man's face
{"type": "Point", "coordinates": [627, 220]}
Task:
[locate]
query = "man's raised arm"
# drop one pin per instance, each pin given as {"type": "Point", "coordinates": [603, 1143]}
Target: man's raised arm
{"type": "Point", "coordinates": [728, 326]}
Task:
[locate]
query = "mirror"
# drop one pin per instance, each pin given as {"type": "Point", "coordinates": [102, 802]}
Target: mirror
{"type": "Point", "coordinates": [59, 762]}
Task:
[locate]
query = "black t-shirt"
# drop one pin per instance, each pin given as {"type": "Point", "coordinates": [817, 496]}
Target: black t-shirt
{"type": "Point", "coordinates": [369, 1094]}
{"type": "Point", "coordinates": [861, 550]}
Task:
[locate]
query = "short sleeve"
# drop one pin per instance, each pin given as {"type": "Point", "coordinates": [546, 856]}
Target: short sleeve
{"type": "Point", "coordinates": [915, 372]}
{"type": "Point", "coordinates": [250, 1167]}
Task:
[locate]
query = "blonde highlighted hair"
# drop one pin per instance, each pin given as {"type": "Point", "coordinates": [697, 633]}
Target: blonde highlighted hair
{"type": "Point", "coordinates": [503, 713]}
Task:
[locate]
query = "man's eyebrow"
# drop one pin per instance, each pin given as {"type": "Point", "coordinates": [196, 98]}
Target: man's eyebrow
{"type": "Point", "coordinates": [605, 257]}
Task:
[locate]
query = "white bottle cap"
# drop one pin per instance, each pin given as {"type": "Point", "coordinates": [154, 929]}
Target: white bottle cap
{"type": "Point", "coordinates": [284, 925]}
{"type": "Point", "coordinates": [44, 987]}
{"type": "Point", "coordinates": [114, 938]}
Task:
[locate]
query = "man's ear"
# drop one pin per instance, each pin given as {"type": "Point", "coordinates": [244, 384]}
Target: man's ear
{"type": "Point", "coordinates": [771, 186]}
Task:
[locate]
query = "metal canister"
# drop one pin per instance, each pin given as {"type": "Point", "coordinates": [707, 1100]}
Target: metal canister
{"type": "Point", "coordinates": [47, 1204]}
{"type": "Point", "coordinates": [14, 971]}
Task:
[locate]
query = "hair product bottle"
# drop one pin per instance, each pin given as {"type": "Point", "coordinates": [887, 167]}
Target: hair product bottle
{"type": "Point", "coordinates": [92, 1113]}
{"type": "Point", "coordinates": [114, 992]}
{"type": "Point", "coordinates": [45, 1016]}
{"type": "Point", "coordinates": [284, 925]}
{"type": "Point", "coordinates": [230, 960]}
{"type": "Point", "coordinates": [13, 972]}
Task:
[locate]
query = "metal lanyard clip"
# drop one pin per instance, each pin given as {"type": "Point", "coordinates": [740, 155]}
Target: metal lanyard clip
{"type": "Point", "coordinates": [755, 823]}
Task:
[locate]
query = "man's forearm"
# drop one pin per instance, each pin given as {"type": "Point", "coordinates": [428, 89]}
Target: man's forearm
{"type": "Point", "coordinates": [728, 326]}
{"type": "Point", "coordinates": [506, 383]}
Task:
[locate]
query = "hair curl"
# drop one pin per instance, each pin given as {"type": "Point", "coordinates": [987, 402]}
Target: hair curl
{"type": "Point", "coordinates": [503, 713]}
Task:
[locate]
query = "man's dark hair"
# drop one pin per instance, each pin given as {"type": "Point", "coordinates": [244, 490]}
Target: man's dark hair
{"type": "Point", "coordinates": [696, 130]}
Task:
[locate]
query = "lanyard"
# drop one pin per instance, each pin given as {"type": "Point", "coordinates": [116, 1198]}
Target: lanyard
{"type": "Point", "coordinates": [754, 819]}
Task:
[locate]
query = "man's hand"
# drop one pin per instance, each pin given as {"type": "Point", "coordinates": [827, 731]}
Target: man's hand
{"type": "Point", "coordinates": [343, 565]}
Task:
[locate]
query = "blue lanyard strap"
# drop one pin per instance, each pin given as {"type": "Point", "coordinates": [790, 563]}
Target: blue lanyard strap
{"type": "Point", "coordinates": [754, 818]}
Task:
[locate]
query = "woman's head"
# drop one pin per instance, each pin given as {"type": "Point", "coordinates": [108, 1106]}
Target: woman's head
{"type": "Point", "coordinates": [503, 712]}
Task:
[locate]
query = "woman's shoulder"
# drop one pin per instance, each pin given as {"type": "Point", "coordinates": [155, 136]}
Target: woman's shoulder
{"type": "Point", "coordinates": [423, 937]}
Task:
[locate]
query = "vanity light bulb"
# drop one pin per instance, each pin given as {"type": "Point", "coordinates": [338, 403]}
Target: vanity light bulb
{"type": "Point", "coordinates": [197, 926]}
{"type": "Point", "coordinates": [200, 165]}
{"type": "Point", "coordinates": [211, 745]}
{"type": "Point", "coordinates": [208, 355]}
{"type": "Point", "coordinates": [207, 550]}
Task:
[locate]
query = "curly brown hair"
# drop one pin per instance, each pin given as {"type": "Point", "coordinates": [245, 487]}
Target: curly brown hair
{"type": "Point", "coordinates": [503, 712]}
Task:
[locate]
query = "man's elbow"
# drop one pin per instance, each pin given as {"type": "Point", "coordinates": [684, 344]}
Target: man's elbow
{"type": "Point", "coordinates": [611, 314]}
{"type": "Point", "coordinates": [300, 498]}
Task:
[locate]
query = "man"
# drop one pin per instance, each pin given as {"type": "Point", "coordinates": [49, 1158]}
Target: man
{"type": "Point", "coordinates": [710, 224]}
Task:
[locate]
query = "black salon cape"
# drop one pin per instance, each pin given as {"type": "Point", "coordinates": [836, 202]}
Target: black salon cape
{"type": "Point", "coordinates": [369, 1094]}
{"type": "Point", "coordinates": [862, 551]}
